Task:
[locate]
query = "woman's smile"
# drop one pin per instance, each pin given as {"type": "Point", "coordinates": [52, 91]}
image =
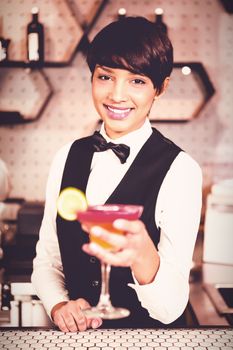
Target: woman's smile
{"type": "Point", "coordinates": [117, 113]}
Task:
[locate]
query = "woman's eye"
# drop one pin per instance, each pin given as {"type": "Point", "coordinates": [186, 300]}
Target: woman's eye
{"type": "Point", "coordinates": [138, 81]}
{"type": "Point", "coordinates": [103, 77]}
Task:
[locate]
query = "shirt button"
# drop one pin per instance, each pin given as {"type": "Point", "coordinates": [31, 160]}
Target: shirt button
{"type": "Point", "coordinates": [95, 283]}
{"type": "Point", "coordinates": [92, 259]}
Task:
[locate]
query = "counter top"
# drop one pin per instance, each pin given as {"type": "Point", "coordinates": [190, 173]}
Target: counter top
{"type": "Point", "coordinates": [203, 307]}
{"type": "Point", "coordinates": [207, 273]}
{"type": "Point", "coordinates": [121, 339]}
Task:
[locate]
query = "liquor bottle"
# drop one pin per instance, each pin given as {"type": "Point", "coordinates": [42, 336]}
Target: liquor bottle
{"type": "Point", "coordinates": [159, 19]}
{"type": "Point", "coordinates": [4, 43]}
{"type": "Point", "coordinates": [35, 38]}
{"type": "Point", "coordinates": [121, 13]}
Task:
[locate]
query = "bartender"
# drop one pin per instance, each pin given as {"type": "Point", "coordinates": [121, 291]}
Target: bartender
{"type": "Point", "coordinates": [130, 62]}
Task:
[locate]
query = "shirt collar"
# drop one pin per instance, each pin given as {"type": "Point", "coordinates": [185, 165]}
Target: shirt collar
{"type": "Point", "coordinates": [135, 139]}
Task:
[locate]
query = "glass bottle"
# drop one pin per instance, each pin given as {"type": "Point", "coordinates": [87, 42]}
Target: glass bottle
{"type": "Point", "coordinates": [159, 19]}
{"type": "Point", "coordinates": [35, 38]}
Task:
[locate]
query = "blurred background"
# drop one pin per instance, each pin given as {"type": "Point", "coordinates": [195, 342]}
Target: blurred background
{"type": "Point", "coordinates": [201, 31]}
{"type": "Point", "coordinates": [45, 103]}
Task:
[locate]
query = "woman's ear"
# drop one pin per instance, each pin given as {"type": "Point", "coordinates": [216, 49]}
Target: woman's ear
{"type": "Point", "coordinates": [164, 88]}
{"type": "Point", "coordinates": [165, 85]}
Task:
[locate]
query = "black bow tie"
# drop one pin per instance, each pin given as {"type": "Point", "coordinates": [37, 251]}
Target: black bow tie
{"type": "Point", "coordinates": [100, 145]}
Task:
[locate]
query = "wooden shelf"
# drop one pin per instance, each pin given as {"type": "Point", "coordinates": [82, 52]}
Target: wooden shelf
{"type": "Point", "coordinates": [32, 65]}
{"type": "Point", "coordinates": [11, 117]}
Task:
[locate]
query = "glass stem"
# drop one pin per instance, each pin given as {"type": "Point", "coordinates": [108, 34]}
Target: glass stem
{"type": "Point", "coordinates": [104, 301]}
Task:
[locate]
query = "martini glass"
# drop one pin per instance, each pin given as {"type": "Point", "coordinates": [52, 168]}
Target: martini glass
{"type": "Point", "coordinates": [104, 216]}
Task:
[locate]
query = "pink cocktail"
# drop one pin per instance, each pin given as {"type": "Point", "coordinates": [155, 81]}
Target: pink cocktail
{"type": "Point", "coordinates": [104, 216]}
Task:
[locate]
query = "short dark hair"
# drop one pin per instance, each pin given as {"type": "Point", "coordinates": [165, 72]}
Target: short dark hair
{"type": "Point", "coordinates": [135, 44]}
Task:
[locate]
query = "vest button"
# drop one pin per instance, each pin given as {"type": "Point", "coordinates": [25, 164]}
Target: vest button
{"type": "Point", "coordinates": [95, 283]}
{"type": "Point", "coordinates": [92, 259]}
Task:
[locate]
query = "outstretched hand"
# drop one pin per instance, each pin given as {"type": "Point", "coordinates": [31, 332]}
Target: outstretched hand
{"type": "Point", "coordinates": [134, 249]}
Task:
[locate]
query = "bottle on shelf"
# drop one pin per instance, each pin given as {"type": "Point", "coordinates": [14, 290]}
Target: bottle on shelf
{"type": "Point", "coordinates": [159, 19]}
{"type": "Point", "coordinates": [35, 38]}
{"type": "Point", "coordinates": [121, 13]}
{"type": "Point", "coordinates": [4, 43]}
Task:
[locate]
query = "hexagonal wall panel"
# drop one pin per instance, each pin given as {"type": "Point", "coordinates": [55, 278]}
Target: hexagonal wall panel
{"type": "Point", "coordinates": [85, 10]}
{"type": "Point", "coordinates": [189, 91]}
{"type": "Point", "coordinates": [62, 31]}
{"type": "Point", "coordinates": [24, 91]}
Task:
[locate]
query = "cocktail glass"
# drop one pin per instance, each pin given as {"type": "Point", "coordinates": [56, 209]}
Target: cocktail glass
{"type": "Point", "coordinates": [104, 216]}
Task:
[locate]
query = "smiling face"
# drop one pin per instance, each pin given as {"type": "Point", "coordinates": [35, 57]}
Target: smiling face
{"type": "Point", "coordinates": [123, 99]}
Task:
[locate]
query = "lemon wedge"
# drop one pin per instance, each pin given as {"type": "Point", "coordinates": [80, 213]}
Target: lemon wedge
{"type": "Point", "coordinates": [70, 201]}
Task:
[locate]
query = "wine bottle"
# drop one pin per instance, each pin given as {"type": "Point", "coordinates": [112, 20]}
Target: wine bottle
{"type": "Point", "coordinates": [159, 19]}
{"type": "Point", "coordinates": [4, 43]}
{"type": "Point", "coordinates": [35, 38]}
{"type": "Point", "coordinates": [121, 13]}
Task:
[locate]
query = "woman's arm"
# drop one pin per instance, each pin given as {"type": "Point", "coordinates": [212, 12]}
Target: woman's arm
{"type": "Point", "coordinates": [47, 265]}
{"type": "Point", "coordinates": [48, 277]}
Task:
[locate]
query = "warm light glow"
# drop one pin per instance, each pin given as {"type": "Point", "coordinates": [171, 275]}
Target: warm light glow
{"type": "Point", "coordinates": [122, 11]}
{"type": "Point", "coordinates": [35, 10]}
{"type": "Point", "coordinates": [186, 70]}
{"type": "Point", "coordinates": [159, 11]}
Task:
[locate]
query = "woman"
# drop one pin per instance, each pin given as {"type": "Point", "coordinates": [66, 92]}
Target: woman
{"type": "Point", "coordinates": [131, 61]}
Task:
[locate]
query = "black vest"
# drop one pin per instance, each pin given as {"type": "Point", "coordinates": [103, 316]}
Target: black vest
{"type": "Point", "coordinates": [140, 185]}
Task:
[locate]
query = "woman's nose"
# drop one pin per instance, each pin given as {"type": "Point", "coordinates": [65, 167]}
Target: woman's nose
{"type": "Point", "coordinates": [118, 92]}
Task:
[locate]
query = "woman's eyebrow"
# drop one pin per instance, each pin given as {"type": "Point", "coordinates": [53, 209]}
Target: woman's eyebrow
{"type": "Point", "coordinates": [109, 70]}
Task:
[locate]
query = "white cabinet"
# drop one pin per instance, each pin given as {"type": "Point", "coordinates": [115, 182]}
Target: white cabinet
{"type": "Point", "coordinates": [26, 310]}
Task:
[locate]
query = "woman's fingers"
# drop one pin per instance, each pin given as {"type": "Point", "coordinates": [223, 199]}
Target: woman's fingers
{"type": "Point", "coordinates": [60, 323]}
{"type": "Point", "coordinates": [132, 232]}
{"type": "Point", "coordinates": [96, 322]}
{"type": "Point", "coordinates": [80, 321]}
{"type": "Point", "coordinates": [70, 317]}
{"type": "Point", "coordinates": [127, 247]}
{"type": "Point", "coordinates": [85, 228]}
{"type": "Point", "coordinates": [71, 322]}
{"type": "Point", "coordinates": [89, 322]}
{"type": "Point", "coordinates": [134, 227]}
{"type": "Point", "coordinates": [114, 258]}
{"type": "Point", "coordinates": [129, 229]}
{"type": "Point", "coordinates": [118, 241]}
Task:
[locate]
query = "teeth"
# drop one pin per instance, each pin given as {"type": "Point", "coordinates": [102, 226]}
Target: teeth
{"type": "Point", "coordinates": [119, 111]}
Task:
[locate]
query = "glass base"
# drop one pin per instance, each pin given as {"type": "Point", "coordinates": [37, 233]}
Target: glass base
{"type": "Point", "coordinates": [111, 313]}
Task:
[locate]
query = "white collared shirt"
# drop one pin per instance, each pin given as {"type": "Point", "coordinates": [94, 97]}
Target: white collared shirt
{"type": "Point", "coordinates": [177, 213]}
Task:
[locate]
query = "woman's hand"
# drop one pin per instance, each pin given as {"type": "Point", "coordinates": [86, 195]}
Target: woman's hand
{"type": "Point", "coordinates": [134, 249]}
{"type": "Point", "coordinates": [69, 317]}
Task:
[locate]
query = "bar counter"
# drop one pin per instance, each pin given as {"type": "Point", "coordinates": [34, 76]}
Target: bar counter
{"type": "Point", "coordinates": [202, 338]}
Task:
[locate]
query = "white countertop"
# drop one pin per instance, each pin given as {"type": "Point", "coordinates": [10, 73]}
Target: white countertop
{"type": "Point", "coordinates": [122, 339]}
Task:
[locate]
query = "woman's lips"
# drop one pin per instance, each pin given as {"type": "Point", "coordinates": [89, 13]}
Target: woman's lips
{"type": "Point", "coordinates": [117, 113]}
